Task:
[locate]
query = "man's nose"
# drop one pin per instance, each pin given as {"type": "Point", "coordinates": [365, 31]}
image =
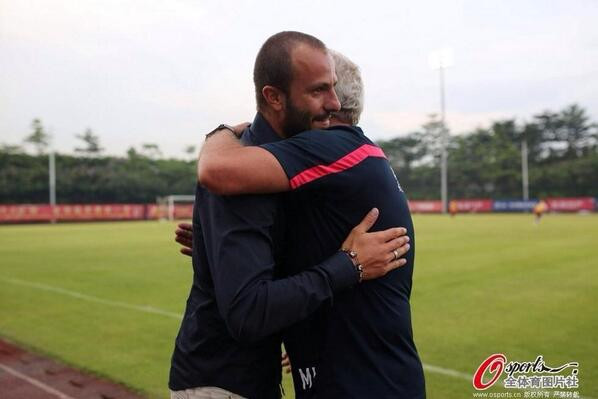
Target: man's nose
{"type": "Point", "coordinates": [332, 104]}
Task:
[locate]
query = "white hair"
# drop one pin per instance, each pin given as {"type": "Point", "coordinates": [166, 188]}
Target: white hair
{"type": "Point", "coordinates": [349, 88]}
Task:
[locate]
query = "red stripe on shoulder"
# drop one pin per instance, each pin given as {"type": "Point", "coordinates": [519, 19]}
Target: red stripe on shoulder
{"type": "Point", "coordinates": [351, 159]}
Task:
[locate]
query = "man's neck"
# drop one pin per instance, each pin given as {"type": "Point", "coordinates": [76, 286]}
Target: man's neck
{"type": "Point", "coordinates": [260, 132]}
{"type": "Point", "coordinates": [274, 119]}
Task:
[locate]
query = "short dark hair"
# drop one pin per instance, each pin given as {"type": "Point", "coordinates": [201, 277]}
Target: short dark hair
{"type": "Point", "coordinates": [273, 66]}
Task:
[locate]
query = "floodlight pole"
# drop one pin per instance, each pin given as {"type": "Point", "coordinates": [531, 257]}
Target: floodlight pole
{"type": "Point", "coordinates": [443, 160]}
{"type": "Point", "coordinates": [524, 170]}
{"type": "Point", "coordinates": [52, 182]}
{"type": "Point", "coordinates": [442, 59]}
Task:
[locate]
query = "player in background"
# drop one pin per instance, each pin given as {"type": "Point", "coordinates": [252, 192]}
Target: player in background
{"type": "Point", "coordinates": [453, 209]}
{"type": "Point", "coordinates": [539, 209]}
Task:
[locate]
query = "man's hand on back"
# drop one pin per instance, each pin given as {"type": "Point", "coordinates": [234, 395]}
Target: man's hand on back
{"type": "Point", "coordinates": [285, 363]}
{"type": "Point", "coordinates": [184, 236]}
{"type": "Point", "coordinates": [378, 252]}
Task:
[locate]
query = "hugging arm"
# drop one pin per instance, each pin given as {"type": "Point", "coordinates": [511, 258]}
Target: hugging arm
{"type": "Point", "coordinates": [226, 167]}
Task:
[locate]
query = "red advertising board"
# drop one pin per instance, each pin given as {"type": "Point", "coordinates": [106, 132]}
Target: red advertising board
{"type": "Point", "coordinates": [89, 212]}
{"type": "Point", "coordinates": [71, 212]}
{"type": "Point", "coordinates": [425, 206]}
{"type": "Point", "coordinates": [183, 211]}
{"type": "Point", "coordinates": [153, 211]}
{"type": "Point", "coordinates": [474, 205]}
{"type": "Point", "coordinates": [575, 204]}
{"type": "Point", "coordinates": [25, 213]}
{"type": "Point", "coordinates": [99, 212]}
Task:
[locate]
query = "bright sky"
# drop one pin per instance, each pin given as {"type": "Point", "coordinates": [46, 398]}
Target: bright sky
{"type": "Point", "coordinates": [166, 72]}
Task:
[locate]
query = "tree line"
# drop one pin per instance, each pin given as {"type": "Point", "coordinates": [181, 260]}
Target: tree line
{"type": "Point", "coordinates": [562, 158]}
{"type": "Point", "coordinates": [486, 163]}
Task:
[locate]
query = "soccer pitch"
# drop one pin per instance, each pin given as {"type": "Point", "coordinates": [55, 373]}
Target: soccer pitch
{"type": "Point", "coordinates": [107, 297]}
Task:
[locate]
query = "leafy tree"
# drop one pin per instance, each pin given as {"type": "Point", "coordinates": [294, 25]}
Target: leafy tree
{"type": "Point", "coordinates": [532, 133]}
{"type": "Point", "coordinates": [431, 137]}
{"type": "Point", "coordinates": [468, 165]}
{"type": "Point", "coordinates": [91, 141]}
{"type": "Point", "coordinates": [576, 131]}
{"type": "Point", "coordinates": [38, 138]}
{"type": "Point", "coordinates": [487, 162]}
{"type": "Point", "coordinates": [132, 153]}
{"type": "Point", "coordinates": [567, 134]}
{"type": "Point", "coordinates": [10, 149]}
{"type": "Point", "coordinates": [191, 150]}
{"type": "Point", "coordinates": [151, 150]}
{"type": "Point", "coordinates": [403, 153]}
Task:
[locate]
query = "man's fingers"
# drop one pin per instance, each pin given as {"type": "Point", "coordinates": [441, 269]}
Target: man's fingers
{"type": "Point", "coordinates": [240, 127]}
{"type": "Point", "coordinates": [368, 221]}
{"type": "Point", "coordinates": [398, 252]}
{"type": "Point", "coordinates": [185, 226]}
{"type": "Point", "coordinates": [396, 243]}
{"type": "Point", "coordinates": [390, 234]}
{"type": "Point", "coordinates": [184, 241]}
{"type": "Point", "coordinates": [395, 264]}
{"type": "Point", "coordinates": [183, 233]}
{"type": "Point", "coordinates": [186, 251]}
{"type": "Point", "coordinates": [286, 363]}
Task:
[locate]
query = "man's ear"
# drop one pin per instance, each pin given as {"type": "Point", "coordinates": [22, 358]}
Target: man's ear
{"type": "Point", "coordinates": [274, 97]}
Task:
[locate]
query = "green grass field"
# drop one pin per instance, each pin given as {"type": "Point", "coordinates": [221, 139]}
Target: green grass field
{"type": "Point", "coordinates": [106, 297]}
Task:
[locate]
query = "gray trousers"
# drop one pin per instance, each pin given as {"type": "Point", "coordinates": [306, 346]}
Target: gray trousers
{"type": "Point", "coordinates": [204, 393]}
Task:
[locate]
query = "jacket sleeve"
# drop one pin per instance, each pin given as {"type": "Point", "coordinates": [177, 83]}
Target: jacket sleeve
{"type": "Point", "coordinates": [308, 157]}
{"type": "Point", "coordinates": [239, 247]}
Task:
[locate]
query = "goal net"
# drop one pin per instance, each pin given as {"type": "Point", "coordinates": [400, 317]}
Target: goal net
{"type": "Point", "coordinates": [173, 207]}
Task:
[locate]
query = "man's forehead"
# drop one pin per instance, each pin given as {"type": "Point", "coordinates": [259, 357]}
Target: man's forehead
{"type": "Point", "coordinates": [307, 58]}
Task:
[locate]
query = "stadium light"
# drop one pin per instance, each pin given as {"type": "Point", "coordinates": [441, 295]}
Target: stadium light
{"type": "Point", "coordinates": [52, 181]}
{"type": "Point", "coordinates": [524, 169]}
{"type": "Point", "coordinates": [442, 59]}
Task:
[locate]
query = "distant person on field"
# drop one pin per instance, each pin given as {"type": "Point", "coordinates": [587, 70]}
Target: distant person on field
{"type": "Point", "coordinates": [539, 209]}
{"type": "Point", "coordinates": [453, 209]}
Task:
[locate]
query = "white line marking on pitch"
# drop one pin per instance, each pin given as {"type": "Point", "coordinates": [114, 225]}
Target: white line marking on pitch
{"type": "Point", "coordinates": [149, 309]}
{"type": "Point", "coordinates": [449, 372]}
{"type": "Point", "coordinates": [89, 298]}
{"type": "Point", "coordinates": [44, 387]}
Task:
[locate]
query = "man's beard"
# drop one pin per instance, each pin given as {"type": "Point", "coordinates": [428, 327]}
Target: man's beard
{"type": "Point", "coordinates": [297, 120]}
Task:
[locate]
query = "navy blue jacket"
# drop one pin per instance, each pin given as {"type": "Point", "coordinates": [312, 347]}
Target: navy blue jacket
{"type": "Point", "coordinates": [361, 344]}
{"type": "Point", "coordinates": [238, 303]}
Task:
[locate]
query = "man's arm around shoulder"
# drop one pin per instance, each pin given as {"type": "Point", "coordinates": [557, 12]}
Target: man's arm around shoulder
{"type": "Point", "coordinates": [226, 167]}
